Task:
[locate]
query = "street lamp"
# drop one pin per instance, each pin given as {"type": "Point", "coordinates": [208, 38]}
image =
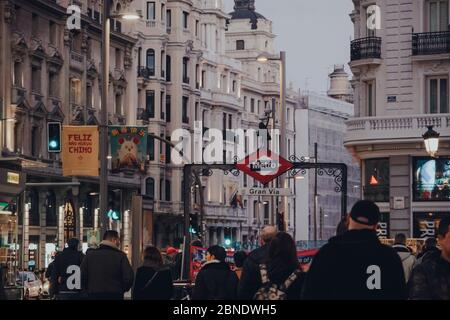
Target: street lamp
{"type": "Point", "coordinates": [118, 13]}
{"type": "Point", "coordinates": [264, 58]}
{"type": "Point", "coordinates": [431, 140]}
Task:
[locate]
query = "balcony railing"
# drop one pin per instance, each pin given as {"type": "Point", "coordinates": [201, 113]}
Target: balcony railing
{"type": "Point", "coordinates": [431, 43]}
{"type": "Point", "coordinates": [185, 119]}
{"type": "Point", "coordinates": [145, 72]}
{"type": "Point", "coordinates": [150, 23]}
{"type": "Point", "coordinates": [186, 80]}
{"type": "Point", "coordinates": [378, 193]}
{"type": "Point", "coordinates": [394, 128]}
{"type": "Point", "coordinates": [365, 48]}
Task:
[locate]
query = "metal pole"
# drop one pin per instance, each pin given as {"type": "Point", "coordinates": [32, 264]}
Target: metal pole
{"type": "Point", "coordinates": [315, 193]}
{"type": "Point", "coordinates": [283, 149]}
{"type": "Point", "coordinates": [344, 191]}
{"type": "Point", "coordinates": [104, 119]}
{"type": "Point", "coordinates": [187, 177]}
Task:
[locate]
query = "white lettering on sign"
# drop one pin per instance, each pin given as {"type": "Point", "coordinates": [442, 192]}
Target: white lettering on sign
{"type": "Point", "coordinates": [266, 191]}
{"type": "Point", "coordinates": [427, 229]}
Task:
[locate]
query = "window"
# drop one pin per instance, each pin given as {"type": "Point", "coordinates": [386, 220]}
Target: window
{"type": "Point", "coordinates": [52, 32]}
{"type": "Point", "coordinates": [169, 18]}
{"type": "Point", "coordinates": [151, 148]}
{"type": "Point", "coordinates": [266, 212]}
{"type": "Point", "coordinates": [255, 210]}
{"type": "Point", "coordinates": [50, 210]}
{"type": "Point", "coordinates": [36, 79]}
{"type": "Point", "coordinates": [168, 191]}
{"type": "Point", "coordinates": [89, 96]}
{"type": "Point", "coordinates": [33, 199]}
{"type": "Point", "coordinates": [139, 57]}
{"type": "Point", "coordinates": [161, 105]}
{"type": "Point", "coordinates": [35, 141]}
{"type": "Point", "coordinates": [52, 84]}
{"type": "Point", "coordinates": [118, 59]}
{"type": "Point", "coordinates": [163, 10]}
{"type": "Point", "coordinates": [437, 95]}
{"type": "Point", "coordinates": [196, 27]}
{"type": "Point", "coordinates": [185, 19]}
{"type": "Point", "coordinates": [376, 180]}
{"type": "Point", "coordinates": [245, 103]}
{"type": "Point", "coordinates": [168, 68]}
{"type": "Point", "coordinates": [151, 12]}
{"type": "Point", "coordinates": [252, 105]}
{"type": "Point", "coordinates": [150, 188]}
{"type": "Point", "coordinates": [371, 98]}
{"type": "Point", "coordinates": [150, 103]}
{"type": "Point", "coordinates": [234, 86]}
{"type": "Point", "coordinates": [185, 70]}
{"type": "Point", "coordinates": [259, 106]}
{"type": "Point", "coordinates": [168, 115]}
{"type": "Point", "coordinates": [438, 15]}
{"type": "Point", "coordinates": [203, 79]}
{"type": "Point", "coordinates": [161, 189]}
{"type": "Point", "coordinates": [162, 63]}
{"type": "Point", "coordinates": [151, 61]}
{"type": "Point", "coordinates": [185, 118]}
{"type": "Point", "coordinates": [118, 104]}
{"type": "Point", "coordinates": [168, 152]}
{"type": "Point", "coordinates": [240, 45]}
{"type": "Point", "coordinates": [18, 74]}
{"type": "Point", "coordinates": [34, 24]}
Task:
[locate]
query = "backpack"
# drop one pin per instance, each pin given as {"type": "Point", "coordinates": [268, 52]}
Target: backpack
{"type": "Point", "coordinates": [270, 290]}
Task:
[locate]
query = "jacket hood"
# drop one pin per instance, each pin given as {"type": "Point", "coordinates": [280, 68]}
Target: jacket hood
{"type": "Point", "coordinates": [401, 248]}
{"type": "Point", "coordinates": [353, 237]}
{"type": "Point", "coordinates": [105, 244]}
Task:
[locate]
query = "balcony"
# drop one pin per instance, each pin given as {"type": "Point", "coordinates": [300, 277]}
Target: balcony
{"type": "Point", "coordinates": [17, 94]}
{"type": "Point", "coordinates": [379, 193]}
{"type": "Point", "coordinates": [146, 73]}
{"type": "Point", "coordinates": [430, 43]}
{"type": "Point", "coordinates": [150, 24]}
{"type": "Point", "coordinates": [365, 51]}
{"type": "Point", "coordinates": [394, 129]}
{"type": "Point", "coordinates": [186, 80]}
{"type": "Point", "coordinates": [185, 120]}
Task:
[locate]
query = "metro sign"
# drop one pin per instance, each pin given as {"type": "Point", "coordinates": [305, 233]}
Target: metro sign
{"type": "Point", "coordinates": [264, 166]}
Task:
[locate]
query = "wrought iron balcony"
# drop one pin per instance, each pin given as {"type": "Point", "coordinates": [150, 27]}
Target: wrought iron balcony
{"type": "Point", "coordinates": [430, 43]}
{"type": "Point", "coordinates": [145, 72]}
{"type": "Point", "coordinates": [185, 119]}
{"type": "Point", "coordinates": [365, 48]}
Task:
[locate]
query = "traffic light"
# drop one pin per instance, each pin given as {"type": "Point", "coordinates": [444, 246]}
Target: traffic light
{"type": "Point", "coordinates": [114, 204]}
{"type": "Point", "coordinates": [54, 136]}
{"type": "Point", "coordinates": [193, 228]}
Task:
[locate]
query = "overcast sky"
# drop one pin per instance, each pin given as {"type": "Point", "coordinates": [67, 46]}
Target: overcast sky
{"type": "Point", "coordinates": [314, 33]}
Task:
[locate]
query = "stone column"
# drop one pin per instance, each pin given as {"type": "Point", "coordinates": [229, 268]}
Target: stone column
{"type": "Point", "coordinates": [25, 234]}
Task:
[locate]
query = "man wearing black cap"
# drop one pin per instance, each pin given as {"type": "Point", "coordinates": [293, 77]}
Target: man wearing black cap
{"type": "Point", "coordinates": [355, 265]}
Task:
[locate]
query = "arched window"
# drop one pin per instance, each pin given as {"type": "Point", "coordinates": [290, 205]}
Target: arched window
{"type": "Point", "coordinates": [151, 61]}
{"type": "Point", "coordinates": [50, 209]}
{"type": "Point", "coordinates": [150, 187]}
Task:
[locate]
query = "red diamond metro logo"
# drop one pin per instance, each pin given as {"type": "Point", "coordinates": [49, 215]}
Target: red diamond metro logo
{"type": "Point", "coordinates": [264, 165]}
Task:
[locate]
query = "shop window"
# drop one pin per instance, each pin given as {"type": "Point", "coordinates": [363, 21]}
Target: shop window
{"type": "Point", "coordinates": [376, 180]}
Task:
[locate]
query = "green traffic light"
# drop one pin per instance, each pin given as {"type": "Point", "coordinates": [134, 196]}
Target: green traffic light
{"type": "Point", "coordinates": [53, 144]}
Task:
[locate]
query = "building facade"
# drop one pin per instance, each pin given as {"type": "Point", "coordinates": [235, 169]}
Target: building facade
{"type": "Point", "coordinates": [401, 71]}
{"type": "Point", "coordinates": [52, 74]}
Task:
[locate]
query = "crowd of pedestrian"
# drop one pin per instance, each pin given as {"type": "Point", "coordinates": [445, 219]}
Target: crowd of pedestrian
{"type": "Point", "coordinates": [353, 265]}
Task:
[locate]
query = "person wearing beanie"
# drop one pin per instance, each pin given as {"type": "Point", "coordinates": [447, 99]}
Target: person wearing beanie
{"type": "Point", "coordinates": [70, 256]}
{"type": "Point", "coordinates": [356, 265]}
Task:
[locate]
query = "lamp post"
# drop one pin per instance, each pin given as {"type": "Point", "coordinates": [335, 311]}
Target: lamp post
{"type": "Point", "coordinates": [431, 140]}
{"type": "Point", "coordinates": [119, 13]}
{"type": "Point", "coordinates": [264, 58]}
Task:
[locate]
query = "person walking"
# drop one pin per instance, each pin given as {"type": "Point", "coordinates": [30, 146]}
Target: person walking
{"type": "Point", "coordinates": [251, 264]}
{"type": "Point", "coordinates": [65, 264]}
{"type": "Point", "coordinates": [430, 280]}
{"type": "Point", "coordinates": [106, 273]}
{"type": "Point", "coordinates": [153, 280]}
{"type": "Point", "coordinates": [408, 259]}
{"type": "Point", "coordinates": [429, 250]}
{"type": "Point", "coordinates": [215, 281]}
{"type": "Point", "coordinates": [355, 265]}
{"type": "Point", "coordinates": [239, 259]}
{"type": "Point", "coordinates": [280, 276]}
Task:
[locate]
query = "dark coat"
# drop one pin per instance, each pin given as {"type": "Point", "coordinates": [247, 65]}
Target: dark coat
{"type": "Point", "coordinates": [278, 272]}
{"type": "Point", "coordinates": [68, 257]}
{"type": "Point", "coordinates": [160, 288]}
{"type": "Point", "coordinates": [106, 272]}
{"type": "Point", "coordinates": [2, 289]}
{"type": "Point", "coordinates": [346, 268]}
{"type": "Point", "coordinates": [248, 280]}
{"type": "Point", "coordinates": [215, 281]}
{"type": "Point", "coordinates": [430, 280]}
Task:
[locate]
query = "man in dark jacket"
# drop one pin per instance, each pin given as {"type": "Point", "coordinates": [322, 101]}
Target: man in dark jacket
{"type": "Point", "coordinates": [106, 273]}
{"type": "Point", "coordinates": [355, 265]}
{"type": "Point", "coordinates": [430, 280]}
{"type": "Point", "coordinates": [429, 250]}
{"type": "Point", "coordinates": [65, 270]}
{"type": "Point", "coordinates": [2, 288]}
{"type": "Point", "coordinates": [251, 264]}
{"type": "Point", "coordinates": [215, 281]}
